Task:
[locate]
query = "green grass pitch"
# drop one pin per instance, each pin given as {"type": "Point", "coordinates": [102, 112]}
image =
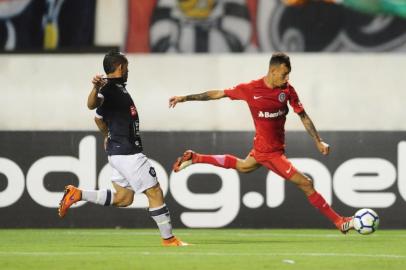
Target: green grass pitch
{"type": "Point", "coordinates": [213, 249]}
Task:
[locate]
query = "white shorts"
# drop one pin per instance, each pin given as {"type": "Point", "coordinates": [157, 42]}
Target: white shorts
{"type": "Point", "coordinates": [133, 172]}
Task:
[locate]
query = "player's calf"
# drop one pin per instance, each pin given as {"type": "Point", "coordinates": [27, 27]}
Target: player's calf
{"type": "Point", "coordinates": [123, 197]}
{"type": "Point", "coordinates": [163, 220]}
{"type": "Point", "coordinates": [123, 201]}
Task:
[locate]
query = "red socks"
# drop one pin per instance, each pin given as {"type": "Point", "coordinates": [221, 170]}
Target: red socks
{"type": "Point", "coordinates": [320, 203]}
{"type": "Point", "coordinates": [229, 161]}
{"type": "Point", "coordinates": [224, 161]}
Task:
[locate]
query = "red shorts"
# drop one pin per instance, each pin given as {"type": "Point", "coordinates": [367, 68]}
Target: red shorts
{"type": "Point", "coordinates": [276, 162]}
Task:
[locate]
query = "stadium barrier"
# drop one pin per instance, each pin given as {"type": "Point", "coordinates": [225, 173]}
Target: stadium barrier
{"type": "Point", "coordinates": [365, 169]}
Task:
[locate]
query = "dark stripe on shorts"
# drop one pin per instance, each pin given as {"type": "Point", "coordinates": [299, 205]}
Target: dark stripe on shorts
{"type": "Point", "coordinates": [159, 212]}
{"type": "Point", "coordinates": [108, 198]}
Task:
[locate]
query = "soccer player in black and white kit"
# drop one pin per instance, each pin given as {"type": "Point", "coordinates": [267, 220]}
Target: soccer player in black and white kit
{"type": "Point", "coordinates": [117, 118]}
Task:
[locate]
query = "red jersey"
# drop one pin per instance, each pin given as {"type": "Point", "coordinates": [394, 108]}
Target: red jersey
{"type": "Point", "coordinates": [268, 108]}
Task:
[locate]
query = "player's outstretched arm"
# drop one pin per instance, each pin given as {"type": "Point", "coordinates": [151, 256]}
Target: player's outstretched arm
{"type": "Point", "coordinates": [208, 95]}
{"type": "Point", "coordinates": [93, 101]}
{"type": "Point", "coordinates": [323, 147]}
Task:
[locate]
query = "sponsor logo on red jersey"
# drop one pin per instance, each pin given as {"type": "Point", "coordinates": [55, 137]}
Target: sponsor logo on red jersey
{"type": "Point", "coordinates": [271, 114]}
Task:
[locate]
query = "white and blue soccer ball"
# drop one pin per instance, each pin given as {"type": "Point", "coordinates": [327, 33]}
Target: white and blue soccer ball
{"type": "Point", "coordinates": [366, 221]}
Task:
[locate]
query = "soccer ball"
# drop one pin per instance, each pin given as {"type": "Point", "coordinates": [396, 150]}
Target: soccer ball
{"type": "Point", "coordinates": [366, 221]}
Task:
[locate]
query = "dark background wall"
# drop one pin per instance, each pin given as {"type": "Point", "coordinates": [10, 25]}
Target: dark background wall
{"type": "Point", "coordinates": [382, 156]}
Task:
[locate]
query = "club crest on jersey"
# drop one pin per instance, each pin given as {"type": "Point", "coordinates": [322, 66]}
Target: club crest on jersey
{"type": "Point", "coordinates": [282, 97]}
{"type": "Point", "coordinates": [152, 172]}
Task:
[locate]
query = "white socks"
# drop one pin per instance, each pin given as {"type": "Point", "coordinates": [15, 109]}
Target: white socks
{"type": "Point", "coordinates": [163, 220]}
{"type": "Point", "coordinates": [102, 197]}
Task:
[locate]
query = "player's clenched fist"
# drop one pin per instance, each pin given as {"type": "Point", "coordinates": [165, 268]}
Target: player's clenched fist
{"type": "Point", "coordinates": [323, 147]}
{"type": "Point", "coordinates": [174, 100]}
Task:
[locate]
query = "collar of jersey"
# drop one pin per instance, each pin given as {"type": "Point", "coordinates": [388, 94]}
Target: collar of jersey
{"type": "Point", "coordinates": [117, 80]}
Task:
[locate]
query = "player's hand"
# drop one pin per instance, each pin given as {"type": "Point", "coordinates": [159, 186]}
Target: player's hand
{"type": "Point", "coordinates": [323, 147]}
{"type": "Point", "coordinates": [175, 100]}
{"type": "Point", "coordinates": [98, 82]}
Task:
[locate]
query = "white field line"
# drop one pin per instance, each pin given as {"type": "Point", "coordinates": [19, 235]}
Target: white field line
{"type": "Point", "coordinates": [204, 254]}
{"type": "Point", "coordinates": [197, 233]}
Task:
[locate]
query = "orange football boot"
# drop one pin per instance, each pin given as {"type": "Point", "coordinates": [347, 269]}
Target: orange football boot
{"type": "Point", "coordinates": [72, 195]}
{"type": "Point", "coordinates": [173, 242]}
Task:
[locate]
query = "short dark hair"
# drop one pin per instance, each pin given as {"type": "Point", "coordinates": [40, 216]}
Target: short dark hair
{"type": "Point", "coordinates": [112, 60]}
{"type": "Point", "coordinates": [280, 58]}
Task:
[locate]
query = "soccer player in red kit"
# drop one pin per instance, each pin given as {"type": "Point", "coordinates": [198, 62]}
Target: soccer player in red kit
{"type": "Point", "coordinates": [268, 99]}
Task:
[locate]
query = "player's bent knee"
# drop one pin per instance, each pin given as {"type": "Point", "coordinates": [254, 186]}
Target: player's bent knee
{"type": "Point", "coordinates": [245, 169]}
{"type": "Point", "coordinates": [123, 199]}
{"type": "Point", "coordinates": [154, 191]}
{"type": "Point", "coordinates": [306, 184]}
{"type": "Point", "coordinates": [124, 202]}
{"type": "Point", "coordinates": [128, 201]}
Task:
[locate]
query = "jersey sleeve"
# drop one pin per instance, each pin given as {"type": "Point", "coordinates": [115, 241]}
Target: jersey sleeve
{"type": "Point", "coordinates": [294, 101]}
{"type": "Point", "coordinates": [239, 92]}
{"type": "Point", "coordinates": [104, 92]}
{"type": "Point", "coordinates": [100, 112]}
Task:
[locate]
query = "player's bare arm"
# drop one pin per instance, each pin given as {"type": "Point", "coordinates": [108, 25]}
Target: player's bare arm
{"type": "Point", "coordinates": [103, 129]}
{"type": "Point", "coordinates": [93, 100]}
{"type": "Point", "coordinates": [208, 95]}
{"type": "Point", "coordinates": [323, 147]}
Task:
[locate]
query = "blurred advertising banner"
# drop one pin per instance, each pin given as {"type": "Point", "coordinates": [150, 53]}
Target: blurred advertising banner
{"type": "Point", "coordinates": [202, 26]}
{"type": "Point", "coordinates": [215, 26]}
{"type": "Point", "coordinates": [364, 170]}
{"type": "Point", "coordinates": [28, 25]}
